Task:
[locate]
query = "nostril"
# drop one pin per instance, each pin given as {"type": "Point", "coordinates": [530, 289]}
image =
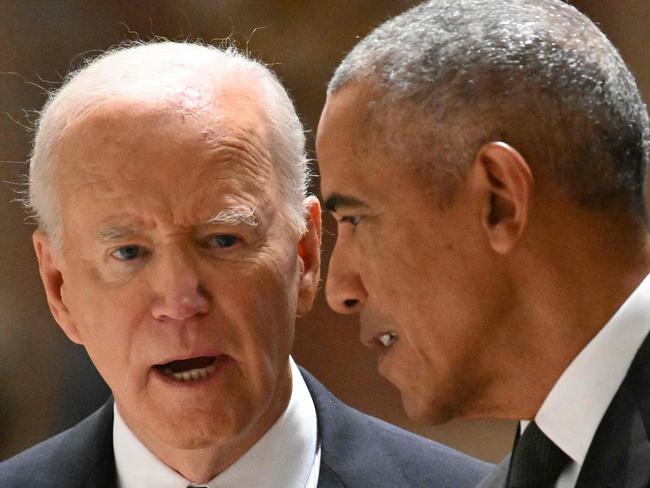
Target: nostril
{"type": "Point", "coordinates": [350, 302]}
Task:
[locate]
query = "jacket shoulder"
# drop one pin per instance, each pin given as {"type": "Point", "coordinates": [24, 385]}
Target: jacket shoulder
{"type": "Point", "coordinates": [360, 448]}
{"type": "Point", "coordinates": [67, 459]}
{"type": "Point", "coordinates": [422, 461]}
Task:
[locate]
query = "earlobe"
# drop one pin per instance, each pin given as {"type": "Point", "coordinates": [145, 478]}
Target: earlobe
{"type": "Point", "coordinates": [509, 184]}
{"type": "Point", "coordinates": [309, 256]}
{"type": "Point", "coordinates": [52, 278]}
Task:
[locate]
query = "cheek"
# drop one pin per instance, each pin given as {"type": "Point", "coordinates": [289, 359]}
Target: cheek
{"type": "Point", "coordinates": [106, 317]}
{"type": "Point", "coordinates": [277, 278]}
{"type": "Point", "coordinates": [260, 299]}
{"type": "Point", "coordinates": [390, 273]}
{"type": "Point", "coordinates": [259, 310]}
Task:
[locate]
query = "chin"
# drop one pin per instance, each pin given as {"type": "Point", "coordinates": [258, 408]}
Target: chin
{"type": "Point", "coordinates": [427, 411]}
{"type": "Point", "coordinates": [200, 428]}
{"type": "Point", "coordinates": [200, 440]}
{"type": "Point", "coordinates": [201, 433]}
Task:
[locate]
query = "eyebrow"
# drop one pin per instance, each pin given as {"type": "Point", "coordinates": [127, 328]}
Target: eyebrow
{"type": "Point", "coordinates": [115, 233]}
{"type": "Point", "coordinates": [337, 200]}
{"type": "Point", "coordinates": [241, 214]}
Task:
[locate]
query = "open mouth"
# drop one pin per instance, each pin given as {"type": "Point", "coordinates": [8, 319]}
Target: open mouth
{"type": "Point", "coordinates": [387, 339]}
{"type": "Point", "coordinates": [191, 369]}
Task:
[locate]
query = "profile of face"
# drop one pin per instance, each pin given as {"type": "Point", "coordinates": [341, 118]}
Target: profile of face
{"type": "Point", "coordinates": [178, 270]}
{"type": "Point", "coordinates": [424, 279]}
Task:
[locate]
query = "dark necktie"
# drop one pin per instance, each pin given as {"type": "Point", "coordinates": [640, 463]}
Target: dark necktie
{"type": "Point", "coordinates": [536, 461]}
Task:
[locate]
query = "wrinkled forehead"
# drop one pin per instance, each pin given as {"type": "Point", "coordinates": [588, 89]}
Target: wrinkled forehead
{"type": "Point", "coordinates": [159, 153]}
{"type": "Point", "coordinates": [191, 119]}
{"type": "Point", "coordinates": [229, 107]}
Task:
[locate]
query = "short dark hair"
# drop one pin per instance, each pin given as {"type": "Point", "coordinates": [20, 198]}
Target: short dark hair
{"type": "Point", "coordinates": [451, 75]}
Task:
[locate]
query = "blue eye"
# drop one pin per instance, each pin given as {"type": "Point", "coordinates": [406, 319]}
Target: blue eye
{"type": "Point", "coordinates": [224, 240]}
{"type": "Point", "coordinates": [127, 253]}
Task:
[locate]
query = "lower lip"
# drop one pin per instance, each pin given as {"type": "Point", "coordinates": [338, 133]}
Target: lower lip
{"type": "Point", "coordinates": [221, 363]}
{"type": "Point", "coordinates": [382, 358]}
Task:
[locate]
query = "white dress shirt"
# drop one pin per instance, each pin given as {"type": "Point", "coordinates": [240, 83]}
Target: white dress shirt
{"type": "Point", "coordinates": [286, 456]}
{"type": "Point", "coordinates": [578, 401]}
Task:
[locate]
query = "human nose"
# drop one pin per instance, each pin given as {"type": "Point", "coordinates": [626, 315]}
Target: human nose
{"type": "Point", "coordinates": [344, 289]}
{"type": "Point", "coordinates": [179, 294]}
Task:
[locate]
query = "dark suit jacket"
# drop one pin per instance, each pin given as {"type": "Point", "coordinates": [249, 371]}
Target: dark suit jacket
{"type": "Point", "coordinates": [619, 455]}
{"type": "Point", "coordinates": [356, 451]}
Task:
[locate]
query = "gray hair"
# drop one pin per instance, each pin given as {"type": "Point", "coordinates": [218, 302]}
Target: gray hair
{"type": "Point", "coordinates": [158, 71]}
{"type": "Point", "coordinates": [448, 76]}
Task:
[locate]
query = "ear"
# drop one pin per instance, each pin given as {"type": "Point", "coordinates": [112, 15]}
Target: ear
{"type": "Point", "coordinates": [52, 278]}
{"type": "Point", "coordinates": [309, 256]}
{"type": "Point", "coordinates": [509, 184]}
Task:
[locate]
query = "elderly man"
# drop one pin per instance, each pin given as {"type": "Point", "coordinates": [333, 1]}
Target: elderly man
{"type": "Point", "coordinates": [175, 243]}
{"type": "Point", "coordinates": [485, 162]}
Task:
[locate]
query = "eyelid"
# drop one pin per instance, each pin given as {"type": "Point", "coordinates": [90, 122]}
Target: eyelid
{"type": "Point", "coordinates": [208, 239]}
{"type": "Point", "coordinates": [350, 219]}
{"type": "Point", "coordinates": [142, 252]}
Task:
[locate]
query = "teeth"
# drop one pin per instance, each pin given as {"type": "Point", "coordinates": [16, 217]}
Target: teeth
{"type": "Point", "coordinates": [192, 374]}
{"type": "Point", "coordinates": [388, 338]}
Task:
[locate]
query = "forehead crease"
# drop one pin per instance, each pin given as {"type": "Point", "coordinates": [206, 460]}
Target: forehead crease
{"type": "Point", "coordinates": [81, 176]}
{"type": "Point", "coordinates": [246, 153]}
{"type": "Point", "coordinates": [238, 150]}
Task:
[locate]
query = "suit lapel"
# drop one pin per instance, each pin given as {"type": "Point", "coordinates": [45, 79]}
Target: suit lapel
{"type": "Point", "coordinates": [327, 478]}
{"type": "Point", "coordinates": [619, 455]}
{"type": "Point", "coordinates": [350, 453]}
{"type": "Point", "coordinates": [97, 444]}
{"type": "Point", "coordinates": [104, 474]}
{"type": "Point", "coordinates": [498, 476]}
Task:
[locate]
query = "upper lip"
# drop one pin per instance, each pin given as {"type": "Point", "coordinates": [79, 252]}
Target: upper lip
{"type": "Point", "coordinates": [371, 340]}
{"type": "Point", "coordinates": [191, 355]}
{"type": "Point", "coordinates": [374, 324]}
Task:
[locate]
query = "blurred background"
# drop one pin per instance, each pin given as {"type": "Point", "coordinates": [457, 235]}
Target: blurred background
{"type": "Point", "coordinates": [46, 383]}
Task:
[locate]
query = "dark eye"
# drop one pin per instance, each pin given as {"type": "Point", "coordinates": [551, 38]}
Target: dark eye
{"type": "Point", "coordinates": [224, 240]}
{"type": "Point", "coordinates": [127, 253]}
{"type": "Point", "coordinates": [351, 219]}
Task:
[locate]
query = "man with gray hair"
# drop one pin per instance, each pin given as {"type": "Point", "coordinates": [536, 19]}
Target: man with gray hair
{"type": "Point", "coordinates": [177, 244]}
{"type": "Point", "coordinates": [485, 162]}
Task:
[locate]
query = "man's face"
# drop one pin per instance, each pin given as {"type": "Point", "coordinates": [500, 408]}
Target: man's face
{"type": "Point", "coordinates": [179, 273]}
{"type": "Point", "coordinates": [409, 268]}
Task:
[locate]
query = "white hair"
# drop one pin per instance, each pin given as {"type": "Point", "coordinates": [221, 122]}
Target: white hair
{"type": "Point", "coordinates": [158, 71]}
{"type": "Point", "coordinates": [240, 214]}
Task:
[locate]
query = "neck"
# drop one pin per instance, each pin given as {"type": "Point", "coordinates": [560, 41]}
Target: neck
{"type": "Point", "coordinates": [202, 464]}
{"type": "Point", "coordinates": [201, 461]}
{"type": "Point", "coordinates": [567, 289]}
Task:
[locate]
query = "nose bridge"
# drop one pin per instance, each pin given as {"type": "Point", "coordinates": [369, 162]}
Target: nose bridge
{"type": "Point", "coordinates": [344, 289]}
{"type": "Point", "coordinates": [176, 280]}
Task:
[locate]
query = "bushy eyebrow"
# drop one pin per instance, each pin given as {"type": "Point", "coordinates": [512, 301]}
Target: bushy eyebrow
{"type": "Point", "coordinates": [115, 233]}
{"type": "Point", "coordinates": [337, 200]}
{"type": "Point", "coordinates": [241, 214]}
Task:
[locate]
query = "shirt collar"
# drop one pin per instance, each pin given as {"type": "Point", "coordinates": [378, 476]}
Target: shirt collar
{"type": "Point", "coordinates": [579, 399]}
{"type": "Point", "coordinates": [285, 454]}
